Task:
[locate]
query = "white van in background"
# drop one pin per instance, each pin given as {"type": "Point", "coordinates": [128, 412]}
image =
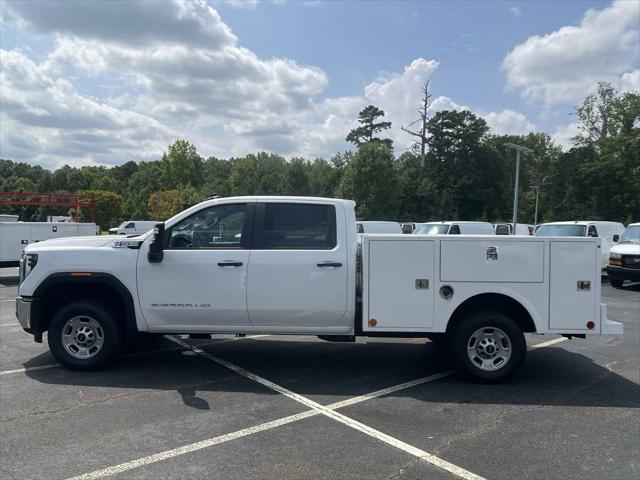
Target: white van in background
{"type": "Point", "coordinates": [378, 227]}
{"type": "Point", "coordinates": [507, 228]}
{"type": "Point", "coordinates": [133, 227]}
{"type": "Point", "coordinates": [609, 232]}
{"type": "Point", "coordinates": [455, 228]}
{"type": "Point", "coordinates": [624, 258]}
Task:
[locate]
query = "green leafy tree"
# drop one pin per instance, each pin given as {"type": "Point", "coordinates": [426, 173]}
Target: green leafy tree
{"type": "Point", "coordinates": [164, 204]}
{"type": "Point", "coordinates": [295, 180]}
{"type": "Point", "coordinates": [371, 180]}
{"type": "Point", "coordinates": [181, 165]}
{"type": "Point", "coordinates": [108, 207]}
{"type": "Point", "coordinates": [369, 127]}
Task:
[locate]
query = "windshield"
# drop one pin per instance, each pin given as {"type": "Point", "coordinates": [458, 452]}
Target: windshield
{"type": "Point", "coordinates": [631, 235]}
{"type": "Point", "coordinates": [432, 229]}
{"type": "Point", "coordinates": [561, 231]}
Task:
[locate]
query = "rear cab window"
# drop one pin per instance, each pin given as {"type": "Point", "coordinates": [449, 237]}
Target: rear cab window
{"type": "Point", "coordinates": [295, 226]}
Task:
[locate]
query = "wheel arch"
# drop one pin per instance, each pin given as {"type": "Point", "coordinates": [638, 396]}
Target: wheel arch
{"type": "Point", "coordinates": [493, 302]}
{"type": "Point", "coordinates": [60, 288]}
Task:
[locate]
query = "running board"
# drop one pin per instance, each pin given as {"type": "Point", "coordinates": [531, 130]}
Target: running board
{"type": "Point", "coordinates": [338, 338]}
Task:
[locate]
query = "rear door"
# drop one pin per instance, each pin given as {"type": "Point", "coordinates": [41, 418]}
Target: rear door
{"type": "Point", "coordinates": [298, 267]}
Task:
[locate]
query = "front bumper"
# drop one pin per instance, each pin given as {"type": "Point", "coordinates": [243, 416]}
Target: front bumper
{"type": "Point", "coordinates": [23, 311]}
{"type": "Point", "coordinates": [624, 273]}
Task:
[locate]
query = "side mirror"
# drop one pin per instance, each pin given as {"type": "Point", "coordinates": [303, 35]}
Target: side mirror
{"type": "Point", "coordinates": [616, 237]}
{"type": "Point", "coordinates": [156, 247]}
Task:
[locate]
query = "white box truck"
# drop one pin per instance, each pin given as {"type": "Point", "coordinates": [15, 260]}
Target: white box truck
{"type": "Point", "coordinates": [295, 265]}
{"type": "Point", "coordinates": [15, 236]}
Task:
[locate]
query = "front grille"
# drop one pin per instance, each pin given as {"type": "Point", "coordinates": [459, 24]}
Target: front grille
{"type": "Point", "coordinates": [631, 261]}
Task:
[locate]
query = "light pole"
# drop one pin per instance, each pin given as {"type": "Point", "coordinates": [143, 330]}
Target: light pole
{"type": "Point", "coordinates": [537, 189]}
{"type": "Point", "coordinates": [518, 149]}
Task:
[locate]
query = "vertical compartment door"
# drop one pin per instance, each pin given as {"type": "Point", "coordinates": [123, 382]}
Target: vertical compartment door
{"type": "Point", "coordinates": [401, 282]}
{"type": "Point", "coordinates": [572, 303]}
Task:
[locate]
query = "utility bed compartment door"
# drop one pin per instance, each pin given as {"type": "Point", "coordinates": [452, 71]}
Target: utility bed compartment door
{"type": "Point", "coordinates": [572, 305]}
{"type": "Point", "coordinates": [495, 260]}
{"type": "Point", "coordinates": [400, 290]}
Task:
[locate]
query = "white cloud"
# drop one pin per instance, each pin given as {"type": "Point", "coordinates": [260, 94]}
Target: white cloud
{"type": "Point", "coordinates": [515, 11]}
{"type": "Point", "coordinates": [565, 65]}
{"type": "Point", "coordinates": [508, 122]}
{"type": "Point", "coordinates": [122, 83]}
{"type": "Point", "coordinates": [563, 134]}
{"type": "Point", "coordinates": [630, 82]}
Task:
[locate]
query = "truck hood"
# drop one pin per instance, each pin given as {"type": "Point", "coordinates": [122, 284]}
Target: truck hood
{"type": "Point", "coordinates": [626, 249]}
{"type": "Point", "coordinates": [94, 241]}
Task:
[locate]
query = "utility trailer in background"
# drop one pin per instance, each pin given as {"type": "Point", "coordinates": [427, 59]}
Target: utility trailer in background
{"type": "Point", "coordinates": [15, 236]}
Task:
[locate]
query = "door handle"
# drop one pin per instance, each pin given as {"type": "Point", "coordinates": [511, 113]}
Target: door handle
{"type": "Point", "coordinates": [329, 264]}
{"type": "Point", "coordinates": [229, 263]}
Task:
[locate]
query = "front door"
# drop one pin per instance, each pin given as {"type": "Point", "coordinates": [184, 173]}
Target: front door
{"type": "Point", "coordinates": [297, 275]}
{"type": "Point", "coordinates": [201, 282]}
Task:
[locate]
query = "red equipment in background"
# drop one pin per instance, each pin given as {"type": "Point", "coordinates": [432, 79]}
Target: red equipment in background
{"type": "Point", "coordinates": [70, 200]}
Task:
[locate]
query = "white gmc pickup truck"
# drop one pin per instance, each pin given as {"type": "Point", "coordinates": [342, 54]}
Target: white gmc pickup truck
{"type": "Point", "coordinates": [295, 265]}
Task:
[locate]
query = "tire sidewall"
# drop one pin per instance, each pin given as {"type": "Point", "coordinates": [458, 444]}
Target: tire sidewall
{"type": "Point", "coordinates": [113, 335]}
{"type": "Point", "coordinates": [468, 326]}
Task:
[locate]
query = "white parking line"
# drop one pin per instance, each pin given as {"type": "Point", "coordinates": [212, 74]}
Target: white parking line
{"type": "Point", "coordinates": [123, 467]}
{"type": "Point", "coordinates": [339, 417]}
{"type": "Point", "coordinates": [9, 324]}
{"type": "Point", "coordinates": [128, 355]}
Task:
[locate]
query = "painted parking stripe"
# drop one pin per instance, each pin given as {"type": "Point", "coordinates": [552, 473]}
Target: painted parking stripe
{"type": "Point", "coordinates": [339, 417]}
{"type": "Point", "coordinates": [129, 355]}
{"type": "Point", "coordinates": [192, 447]}
{"type": "Point", "coordinates": [9, 324]}
{"type": "Point", "coordinates": [548, 343]}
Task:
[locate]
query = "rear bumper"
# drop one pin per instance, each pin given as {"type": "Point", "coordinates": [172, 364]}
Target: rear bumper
{"type": "Point", "coordinates": [623, 273]}
{"type": "Point", "coordinates": [609, 327]}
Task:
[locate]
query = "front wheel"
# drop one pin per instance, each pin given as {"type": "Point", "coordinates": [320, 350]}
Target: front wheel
{"type": "Point", "coordinates": [488, 346]}
{"type": "Point", "coordinates": [84, 335]}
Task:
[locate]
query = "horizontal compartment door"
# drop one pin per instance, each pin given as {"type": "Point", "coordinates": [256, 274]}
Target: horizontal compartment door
{"type": "Point", "coordinates": [477, 260]}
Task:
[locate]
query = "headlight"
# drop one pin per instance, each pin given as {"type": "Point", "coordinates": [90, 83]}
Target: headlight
{"type": "Point", "coordinates": [615, 256]}
{"type": "Point", "coordinates": [28, 262]}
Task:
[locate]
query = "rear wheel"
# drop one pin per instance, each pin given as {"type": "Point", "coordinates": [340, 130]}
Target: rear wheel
{"type": "Point", "coordinates": [616, 282]}
{"type": "Point", "coordinates": [84, 335]}
{"type": "Point", "coordinates": [488, 346]}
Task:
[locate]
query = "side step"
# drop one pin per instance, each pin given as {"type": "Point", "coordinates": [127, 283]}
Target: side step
{"type": "Point", "coordinates": [338, 338]}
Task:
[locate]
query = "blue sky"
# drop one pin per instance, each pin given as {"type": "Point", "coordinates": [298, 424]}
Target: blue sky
{"type": "Point", "coordinates": [106, 82]}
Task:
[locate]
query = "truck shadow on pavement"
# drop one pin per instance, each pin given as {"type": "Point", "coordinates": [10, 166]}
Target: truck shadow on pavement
{"type": "Point", "coordinates": [329, 372]}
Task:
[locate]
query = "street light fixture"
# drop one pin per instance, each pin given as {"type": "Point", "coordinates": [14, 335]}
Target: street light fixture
{"type": "Point", "coordinates": [518, 149]}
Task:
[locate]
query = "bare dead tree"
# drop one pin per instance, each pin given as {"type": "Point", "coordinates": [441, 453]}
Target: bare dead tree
{"type": "Point", "coordinates": [420, 132]}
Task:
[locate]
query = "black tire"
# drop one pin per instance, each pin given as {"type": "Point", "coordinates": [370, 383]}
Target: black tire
{"type": "Point", "coordinates": [103, 322]}
{"type": "Point", "coordinates": [616, 282]}
{"type": "Point", "coordinates": [494, 324]}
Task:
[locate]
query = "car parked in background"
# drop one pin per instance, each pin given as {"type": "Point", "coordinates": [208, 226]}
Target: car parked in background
{"type": "Point", "coordinates": [455, 228]}
{"type": "Point", "coordinates": [133, 227]}
{"type": "Point", "coordinates": [409, 227]}
{"type": "Point", "coordinates": [507, 228]}
{"type": "Point", "coordinates": [624, 258]}
{"type": "Point", "coordinates": [378, 227]}
{"type": "Point", "coordinates": [609, 232]}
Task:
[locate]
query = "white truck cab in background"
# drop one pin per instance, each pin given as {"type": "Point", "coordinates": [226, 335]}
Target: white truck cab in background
{"type": "Point", "coordinates": [455, 228]}
{"type": "Point", "coordinates": [624, 258]}
{"type": "Point", "coordinates": [507, 229]}
{"type": "Point", "coordinates": [133, 227]}
{"type": "Point", "coordinates": [378, 227]}
{"type": "Point", "coordinates": [296, 265]}
{"type": "Point", "coordinates": [608, 232]}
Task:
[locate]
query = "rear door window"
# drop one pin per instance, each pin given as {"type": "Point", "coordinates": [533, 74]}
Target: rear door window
{"type": "Point", "coordinates": [295, 226]}
{"type": "Point", "coordinates": [454, 230]}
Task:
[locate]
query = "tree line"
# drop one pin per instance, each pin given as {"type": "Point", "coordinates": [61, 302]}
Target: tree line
{"type": "Point", "coordinates": [464, 173]}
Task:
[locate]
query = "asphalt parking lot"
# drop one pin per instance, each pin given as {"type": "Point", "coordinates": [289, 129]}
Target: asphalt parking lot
{"type": "Point", "coordinates": [298, 407]}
